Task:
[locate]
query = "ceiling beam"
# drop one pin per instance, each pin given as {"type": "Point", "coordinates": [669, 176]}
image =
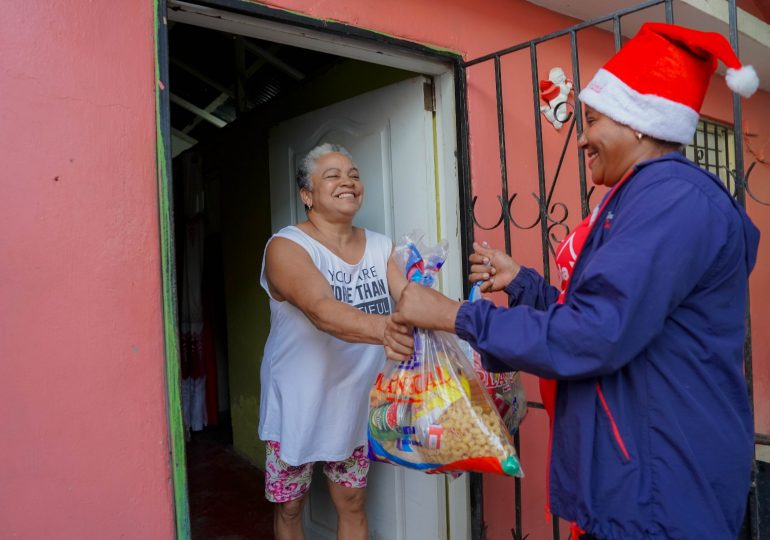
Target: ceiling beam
{"type": "Point", "coordinates": [198, 111]}
{"type": "Point", "coordinates": [181, 135]}
{"type": "Point", "coordinates": [214, 105]}
{"type": "Point", "coordinates": [211, 107]}
{"type": "Point", "coordinates": [275, 61]}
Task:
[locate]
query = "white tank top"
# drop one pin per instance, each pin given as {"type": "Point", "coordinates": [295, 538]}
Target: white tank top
{"type": "Point", "coordinates": [315, 387]}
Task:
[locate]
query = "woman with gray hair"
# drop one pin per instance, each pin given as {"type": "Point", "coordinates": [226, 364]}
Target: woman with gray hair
{"type": "Point", "coordinates": [329, 284]}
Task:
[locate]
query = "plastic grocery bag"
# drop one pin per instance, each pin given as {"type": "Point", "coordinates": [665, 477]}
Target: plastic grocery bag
{"type": "Point", "coordinates": [506, 389]}
{"type": "Point", "coordinates": [432, 413]}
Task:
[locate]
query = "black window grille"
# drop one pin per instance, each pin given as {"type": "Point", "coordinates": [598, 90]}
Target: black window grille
{"type": "Point", "coordinates": [713, 148]}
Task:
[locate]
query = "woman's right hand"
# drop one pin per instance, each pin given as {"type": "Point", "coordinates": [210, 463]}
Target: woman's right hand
{"type": "Point", "coordinates": [398, 339]}
{"type": "Point", "coordinates": [492, 267]}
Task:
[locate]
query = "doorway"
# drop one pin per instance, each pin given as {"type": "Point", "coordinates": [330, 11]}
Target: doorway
{"type": "Point", "coordinates": [239, 95]}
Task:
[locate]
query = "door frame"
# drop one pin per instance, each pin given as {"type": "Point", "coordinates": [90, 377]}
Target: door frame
{"type": "Point", "coordinates": [451, 160]}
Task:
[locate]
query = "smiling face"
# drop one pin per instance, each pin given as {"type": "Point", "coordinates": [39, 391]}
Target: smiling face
{"type": "Point", "coordinates": [337, 188]}
{"type": "Point", "coordinates": [611, 148]}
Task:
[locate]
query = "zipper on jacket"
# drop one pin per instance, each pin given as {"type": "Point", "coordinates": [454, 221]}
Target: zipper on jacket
{"type": "Point", "coordinates": [615, 430]}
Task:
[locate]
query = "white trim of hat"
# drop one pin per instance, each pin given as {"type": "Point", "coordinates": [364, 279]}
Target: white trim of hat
{"type": "Point", "coordinates": [652, 115]}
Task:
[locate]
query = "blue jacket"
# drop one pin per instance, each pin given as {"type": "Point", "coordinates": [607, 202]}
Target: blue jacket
{"type": "Point", "coordinates": [653, 435]}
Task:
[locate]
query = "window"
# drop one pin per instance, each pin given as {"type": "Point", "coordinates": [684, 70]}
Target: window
{"type": "Point", "coordinates": [713, 148]}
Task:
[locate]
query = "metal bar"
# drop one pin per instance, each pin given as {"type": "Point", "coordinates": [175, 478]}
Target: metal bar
{"type": "Point", "coordinates": [584, 210]}
{"type": "Point", "coordinates": [695, 146]}
{"type": "Point", "coordinates": [205, 78]}
{"type": "Point", "coordinates": [477, 507]}
{"type": "Point", "coordinates": [275, 61]}
{"type": "Point", "coordinates": [517, 488]}
{"type": "Point", "coordinates": [707, 147]}
{"type": "Point", "coordinates": [503, 165]}
{"type": "Point", "coordinates": [713, 144]}
{"type": "Point", "coordinates": [740, 191]}
{"type": "Point", "coordinates": [670, 11]}
{"type": "Point", "coordinates": [464, 172]}
{"type": "Point", "coordinates": [740, 194]}
{"type": "Point", "coordinates": [617, 31]}
{"type": "Point", "coordinates": [466, 219]}
{"type": "Point", "coordinates": [753, 511]}
{"type": "Point", "coordinates": [542, 203]}
{"type": "Point", "coordinates": [197, 110]}
{"type": "Point", "coordinates": [541, 183]}
{"type": "Point", "coordinates": [717, 132]}
{"type": "Point", "coordinates": [168, 276]}
{"type": "Point", "coordinates": [552, 188]}
{"type": "Point", "coordinates": [727, 160]}
{"type": "Point", "coordinates": [540, 163]}
{"type": "Point", "coordinates": [740, 188]}
{"type": "Point", "coordinates": [564, 32]}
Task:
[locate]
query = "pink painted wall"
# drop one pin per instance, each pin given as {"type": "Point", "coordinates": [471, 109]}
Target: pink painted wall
{"type": "Point", "coordinates": [85, 451]}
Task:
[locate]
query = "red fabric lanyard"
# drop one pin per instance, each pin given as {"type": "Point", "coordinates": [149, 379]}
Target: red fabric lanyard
{"type": "Point", "coordinates": [569, 249]}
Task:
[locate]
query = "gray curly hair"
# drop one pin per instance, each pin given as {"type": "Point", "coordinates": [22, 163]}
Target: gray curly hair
{"type": "Point", "coordinates": [309, 162]}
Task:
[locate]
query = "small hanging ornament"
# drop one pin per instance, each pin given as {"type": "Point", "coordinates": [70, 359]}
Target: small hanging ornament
{"type": "Point", "coordinates": [556, 91]}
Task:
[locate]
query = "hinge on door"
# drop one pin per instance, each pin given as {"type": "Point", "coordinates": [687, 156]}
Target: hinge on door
{"type": "Point", "coordinates": [430, 96]}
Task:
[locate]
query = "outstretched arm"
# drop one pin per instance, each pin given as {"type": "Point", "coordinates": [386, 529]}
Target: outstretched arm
{"type": "Point", "coordinates": [646, 266]}
{"type": "Point", "coordinates": [292, 276]}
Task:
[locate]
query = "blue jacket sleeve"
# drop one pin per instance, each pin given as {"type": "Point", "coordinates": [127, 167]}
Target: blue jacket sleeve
{"type": "Point", "coordinates": [666, 235]}
{"type": "Point", "coordinates": [529, 288]}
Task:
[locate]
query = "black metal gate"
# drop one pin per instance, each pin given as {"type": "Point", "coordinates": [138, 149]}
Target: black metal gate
{"type": "Point", "coordinates": [553, 216]}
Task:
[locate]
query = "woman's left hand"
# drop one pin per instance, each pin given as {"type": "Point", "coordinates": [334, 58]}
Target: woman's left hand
{"type": "Point", "coordinates": [425, 308]}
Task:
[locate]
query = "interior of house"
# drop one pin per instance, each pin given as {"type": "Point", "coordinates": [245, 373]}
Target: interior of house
{"type": "Point", "coordinates": [227, 91]}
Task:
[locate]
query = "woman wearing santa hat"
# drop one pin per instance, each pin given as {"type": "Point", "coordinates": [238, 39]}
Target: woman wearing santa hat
{"type": "Point", "coordinates": [652, 433]}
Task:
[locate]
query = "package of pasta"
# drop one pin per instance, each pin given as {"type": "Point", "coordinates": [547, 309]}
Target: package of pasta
{"type": "Point", "coordinates": [431, 412]}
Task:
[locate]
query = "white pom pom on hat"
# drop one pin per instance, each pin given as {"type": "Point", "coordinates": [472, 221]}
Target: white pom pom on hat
{"type": "Point", "coordinates": [657, 82]}
{"type": "Point", "coordinates": [743, 81]}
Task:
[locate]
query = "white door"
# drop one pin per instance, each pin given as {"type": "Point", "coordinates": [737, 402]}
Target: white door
{"type": "Point", "coordinates": [391, 137]}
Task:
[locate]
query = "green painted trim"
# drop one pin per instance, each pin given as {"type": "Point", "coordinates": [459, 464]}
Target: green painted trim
{"type": "Point", "coordinates": [168, 287]}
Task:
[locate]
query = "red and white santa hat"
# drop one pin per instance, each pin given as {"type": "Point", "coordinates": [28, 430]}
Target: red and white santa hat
{"type": "Point", "coordinates": [656, 83]}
